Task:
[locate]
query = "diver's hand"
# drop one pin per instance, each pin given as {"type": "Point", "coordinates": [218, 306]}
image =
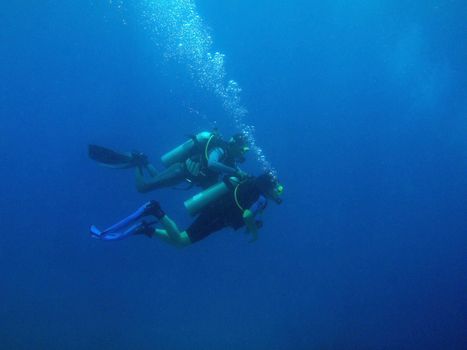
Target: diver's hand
{"type": "Point", "coordinates": [254, 232]}
{"type": "Point", "coordinates": [259, 224]}
{"type": "Point", "coordinates": [242, 175]}
{"type": "Point", "coordinates": [254, 237]}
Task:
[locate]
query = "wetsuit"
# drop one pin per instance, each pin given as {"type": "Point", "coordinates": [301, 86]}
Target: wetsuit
{"type": "Point", "coordinates": [226, 213]}
{"type": "Point", "coordinates": [193, 169]}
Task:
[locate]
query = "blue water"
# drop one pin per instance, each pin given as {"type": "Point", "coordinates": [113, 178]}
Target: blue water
{"type": "Point", "coordinates": [361, 109]}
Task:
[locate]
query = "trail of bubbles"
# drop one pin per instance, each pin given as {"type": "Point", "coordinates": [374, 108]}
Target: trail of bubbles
{"type": "Point", "coordinates": [177, 29]}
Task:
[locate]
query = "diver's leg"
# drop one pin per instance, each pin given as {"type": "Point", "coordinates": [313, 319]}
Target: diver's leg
{"type": "Point", "coordinates": [169, 177]}
{"type": "Point", "coordinates": [151, 170]}
{"type": "Point", "coordinates": [200, 228]}
{"type": "Point", "coordinates": [182, 240]}
{"type": "Point", "coordinates": [171, 233]}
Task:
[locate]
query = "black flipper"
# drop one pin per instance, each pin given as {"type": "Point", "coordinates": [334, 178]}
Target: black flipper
{"type": "Point", "coordinates": [111, 158]}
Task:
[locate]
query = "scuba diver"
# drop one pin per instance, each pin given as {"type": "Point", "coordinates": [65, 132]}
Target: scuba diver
{"type": "Point", "coordinates": [231, 203]}
{"type": "Point", "coordinates": [199, 161]}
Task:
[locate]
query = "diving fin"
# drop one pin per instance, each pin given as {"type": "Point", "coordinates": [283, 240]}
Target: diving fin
{"type": "Point", "coordinates": [111, 158]}
{"type": "Point", "coordinates": [130, 225]}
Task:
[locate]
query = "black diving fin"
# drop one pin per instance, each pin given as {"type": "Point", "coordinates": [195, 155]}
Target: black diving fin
{"type": "Point", "coordinates": [111, 158]}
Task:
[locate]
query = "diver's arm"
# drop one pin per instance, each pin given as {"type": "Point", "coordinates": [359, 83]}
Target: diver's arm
{"type": "Point", "coordinates": [215, 164]}
{"type": "Point", "coordinates": [249, 217]}
{"type": "Point", "coordinates": [250, 223]}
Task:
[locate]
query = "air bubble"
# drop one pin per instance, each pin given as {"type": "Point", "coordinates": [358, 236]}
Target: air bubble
{"type": "Point", "coordinates": [177, 26]}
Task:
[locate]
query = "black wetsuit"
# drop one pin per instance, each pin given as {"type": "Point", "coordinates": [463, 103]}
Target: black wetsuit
{"type": "Point", "coordinates": [224, 212]}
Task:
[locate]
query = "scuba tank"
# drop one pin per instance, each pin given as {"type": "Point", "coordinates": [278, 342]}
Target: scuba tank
{"type": "Point", "coordinates": [199, 201]}
{"type": "Point", "coordinates": [182, 152]}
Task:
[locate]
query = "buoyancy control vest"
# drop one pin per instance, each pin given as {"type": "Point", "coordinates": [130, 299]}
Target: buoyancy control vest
{"type": "Point", "coordinates": [194, 153]}
{"type": "Point", "coordinates": [230, 192]}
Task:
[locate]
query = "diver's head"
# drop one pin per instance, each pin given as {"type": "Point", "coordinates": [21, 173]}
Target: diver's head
{"type": "Point", "coordinates": [270, 187]}
{"type": "Point", "coordinates": [238, 145]}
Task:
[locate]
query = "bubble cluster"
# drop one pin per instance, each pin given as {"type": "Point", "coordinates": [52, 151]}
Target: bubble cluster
{"type": "Point", "coordinates": [118, 6]}
{"type": "Point", "coordinates": [177, 29]}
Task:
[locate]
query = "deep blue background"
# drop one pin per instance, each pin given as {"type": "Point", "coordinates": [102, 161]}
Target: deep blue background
{"type": "Point", "coordinates": [361, 107]}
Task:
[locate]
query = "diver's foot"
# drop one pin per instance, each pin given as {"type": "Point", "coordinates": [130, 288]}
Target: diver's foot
{"type": "Point", "coordinates": [154, 208]}
{"type": "Point", "coordinates": [144, 229]}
